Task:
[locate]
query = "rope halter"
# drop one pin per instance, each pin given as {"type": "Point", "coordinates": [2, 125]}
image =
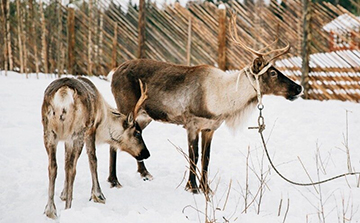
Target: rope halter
{"type": "Point", "coordinates": [256, 85]}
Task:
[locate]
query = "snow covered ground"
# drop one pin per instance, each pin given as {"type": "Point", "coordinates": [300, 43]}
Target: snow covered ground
{"type": "Point", "coordinates": [300, 129]}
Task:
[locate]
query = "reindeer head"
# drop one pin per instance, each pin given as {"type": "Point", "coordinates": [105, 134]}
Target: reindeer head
{"type": "Point", "coordinates": [128, 135]}
{"type": "Point", "coordinates": [271, 80]}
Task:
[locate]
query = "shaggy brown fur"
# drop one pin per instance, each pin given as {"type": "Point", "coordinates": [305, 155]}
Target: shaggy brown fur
{"type": "Point", "coordinates": [200, 98]}
{"type": "Point", "coordinates": [74, 111]}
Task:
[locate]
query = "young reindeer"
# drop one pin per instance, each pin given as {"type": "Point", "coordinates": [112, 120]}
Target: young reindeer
{"type": "Point", "coordinates": [200, 98]}
{"type": "Point", "coordinates": [74, 111]}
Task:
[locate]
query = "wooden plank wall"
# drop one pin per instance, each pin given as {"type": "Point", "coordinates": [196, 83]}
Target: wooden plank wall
{"type": "Point", "coordinates": [105, 35]}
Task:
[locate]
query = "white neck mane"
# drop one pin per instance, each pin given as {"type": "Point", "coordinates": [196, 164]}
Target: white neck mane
{"type": "Point", "coordinates": [231, 96]}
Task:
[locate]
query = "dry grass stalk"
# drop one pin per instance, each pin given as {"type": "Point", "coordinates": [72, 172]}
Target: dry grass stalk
{"type": "Point", "coordinates": [287, 209]}
{"type": "Point", "coordinates": [211, 206]}
{"type": "Point", "coordinates": [227, 195]}
{"type": "Point", "coordinates": [247, 180]}
{"type": "Point", "coordinates": [307, 173]}
{"type": "Point", "coordinates": [321, 213]}
{"type": "Point", "coordinates": [280, 204]}
{"type": "Point", "coordinates": [346, 143]}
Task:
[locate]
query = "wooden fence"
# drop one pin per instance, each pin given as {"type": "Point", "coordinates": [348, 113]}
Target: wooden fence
{"type": "Point", "coordinates": [91, 37]}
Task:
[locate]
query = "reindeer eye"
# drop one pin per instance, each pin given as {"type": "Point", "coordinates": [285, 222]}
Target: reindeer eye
{"type": "Point", "coordinates": [273, 73]}
{"type": "Point", "coordinates": [137, 133]}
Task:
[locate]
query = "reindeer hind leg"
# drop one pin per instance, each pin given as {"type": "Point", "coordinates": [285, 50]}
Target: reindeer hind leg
{"type": "Point", "coordinates": [96, 194]}
{"type": "Point", "coordinates": [193, 141]}
{"type": "Point", "coordinates": [50, 145]}
{"type": "Point", "coordinates": [74, 148]}
{"type": "Point", "coordinates": [206, 137]}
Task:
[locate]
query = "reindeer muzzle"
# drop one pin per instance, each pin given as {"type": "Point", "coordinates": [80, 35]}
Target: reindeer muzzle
{"type": "Point", "coordinates": [296, 92]}
{"type": "Point", "coordinates": [144, 154]}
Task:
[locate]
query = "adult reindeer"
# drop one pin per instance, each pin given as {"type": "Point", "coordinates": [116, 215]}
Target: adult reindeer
{"type": "Point", "coordinates": [74, 111]}
{"type": "Point", "coordinates": [200, 98]}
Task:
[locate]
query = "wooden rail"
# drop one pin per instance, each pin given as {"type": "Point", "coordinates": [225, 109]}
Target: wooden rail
{"type": "Point", "coordinates": [94, 36]}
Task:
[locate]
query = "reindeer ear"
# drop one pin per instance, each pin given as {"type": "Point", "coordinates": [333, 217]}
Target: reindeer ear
{"type": "Point", "coordinates": [257, 64]}
{"type": "Point", "coordinates": [130, 119]}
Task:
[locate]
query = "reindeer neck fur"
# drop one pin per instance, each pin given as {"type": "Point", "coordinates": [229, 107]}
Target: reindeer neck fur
{"type": "Point", "coordinates": [227, 99]}
{"type": "Point", "coordinates": [102, 118]}
{"type": "Point", "coordinates": [110, 125]}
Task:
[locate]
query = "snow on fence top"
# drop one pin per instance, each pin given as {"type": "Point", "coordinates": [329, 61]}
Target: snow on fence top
{"type": "Point", "coordinates": [336, 60]}
{"type": "Point", "coordinates": [333, 75]}
{"type": "Point", "coordinates": [342, 24]}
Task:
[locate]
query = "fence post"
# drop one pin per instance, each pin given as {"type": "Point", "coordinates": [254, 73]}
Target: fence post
{"type": "Point", "coordinates": [44, 55]}
{"type": "Point", "coordinates": [71, 38]}
{"type": "Point", "coordinates": [8, 38]}
{"type": "Point", "coordinates": [141, 30]}
{"type": "Point", "coordinates": [25, 39]}
{"type": "Point", "coordinates": [96, 38]}
{"type": "Point", "coordinates": [59, 39]}
{"type": "Point", "coordinates": [188, 47]}
{"type": "Point", "coordinates": [20, 39]}
{"type": "Point", "coordinates": [222, 37]}
{"type": "Point", "coordinates": [90, 46]}
{"type": "Point", "coordinates": [305, 48]}
{"type": "Point", "coordinates": [32, 32]}
{"type": "Point", "coordinates": [101, 39]}
{"type": "Point", "coordinates": [114, 48]}
{"type": "Point", "coordinates": [4, 12]}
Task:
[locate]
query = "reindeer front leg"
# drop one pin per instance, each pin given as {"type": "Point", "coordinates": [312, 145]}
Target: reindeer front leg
{"type": "Point", "coordinates": [206, 137]}
{"type": "Point", "coordinates": [143, 120]}
{"type": "Point", "coordinates": [96, 193]}
{"type": "Point", "coordinates": [144, 173]}
{"type": "Point", "coordinates": [193, 141]}
{"type": "Point", "coordinates": [112, 179]}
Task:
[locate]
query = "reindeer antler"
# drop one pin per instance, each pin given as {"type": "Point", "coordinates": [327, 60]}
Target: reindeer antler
{"type": "Point", "coordinates": [282, 52]}
{"type": "Point", "coordinates": [268, 45]}
{"type": "Point", "coordinates": [141, 100]}
{"type": "Point", "coordinates": [235, 38]}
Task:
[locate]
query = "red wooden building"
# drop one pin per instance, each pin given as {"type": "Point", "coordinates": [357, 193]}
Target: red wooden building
{"type": "Point", "coordinates": [344, 32]}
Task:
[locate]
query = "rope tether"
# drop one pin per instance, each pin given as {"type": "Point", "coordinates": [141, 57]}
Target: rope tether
{"type": "Point", "coordinates": [261, 127]}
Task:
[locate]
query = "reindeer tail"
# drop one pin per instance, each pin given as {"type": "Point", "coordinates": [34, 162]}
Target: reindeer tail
{"type": "Point", "coordinates": [62, 102]}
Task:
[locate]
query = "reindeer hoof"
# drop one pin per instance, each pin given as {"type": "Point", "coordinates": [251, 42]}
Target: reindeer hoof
{"type": "Point", "coordinates": [117, 185]}
{"type": "Point", "coordinates": [98, 198]}
{"type": "Point", "coordinates": [114, 182]}
{"type": "Point", "coordinates": [63, 196]}
{"type": "Point", "coordinates": [192, 188]}
{"type": "Point", "coordinates": [147, 176]}
{"type": "Point", "coordinates": [50, 211]}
